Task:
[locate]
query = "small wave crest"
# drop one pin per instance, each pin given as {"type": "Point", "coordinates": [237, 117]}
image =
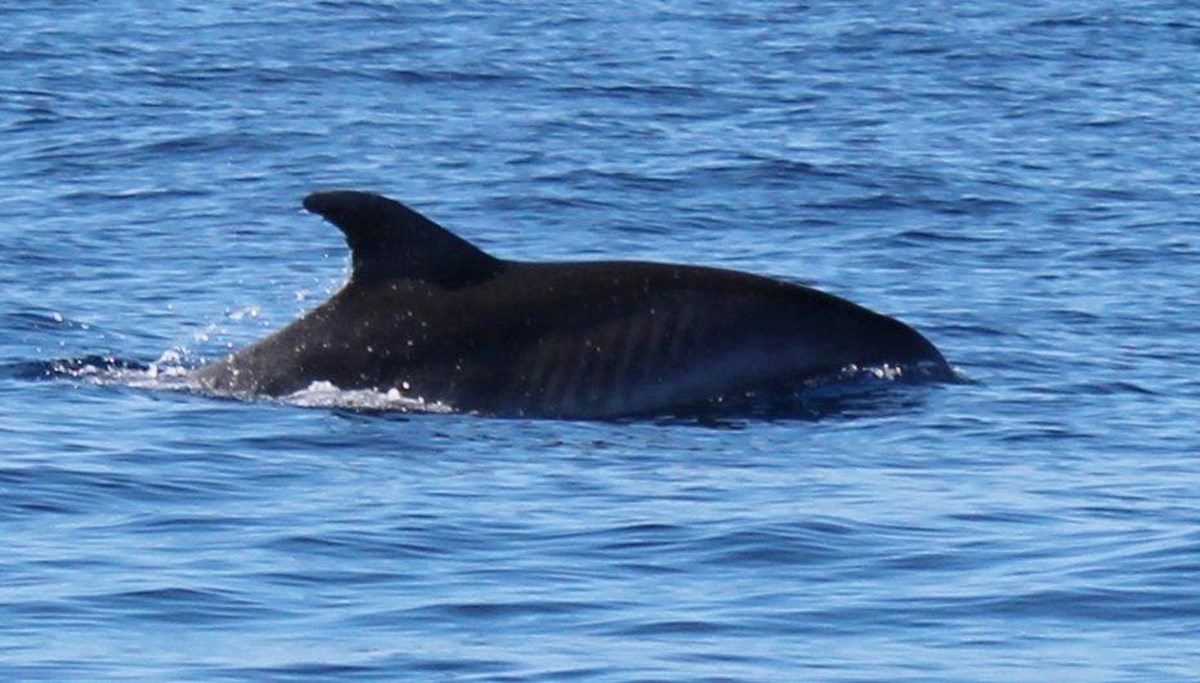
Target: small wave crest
{"type": "Point", "coordinates": [172, 371]}
{"type": "Point", "coordinates": [169, 369]}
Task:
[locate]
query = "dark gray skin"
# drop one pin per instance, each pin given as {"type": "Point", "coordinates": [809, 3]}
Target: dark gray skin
{"type": "Point", "coordinates": [428, 314]}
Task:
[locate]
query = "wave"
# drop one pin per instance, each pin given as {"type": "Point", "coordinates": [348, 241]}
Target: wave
{"type": "Point", "coordinates": [852, 392]}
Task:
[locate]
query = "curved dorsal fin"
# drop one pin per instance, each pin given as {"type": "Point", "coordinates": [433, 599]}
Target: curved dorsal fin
{"type": "Point", "coordinates": [390, 241]}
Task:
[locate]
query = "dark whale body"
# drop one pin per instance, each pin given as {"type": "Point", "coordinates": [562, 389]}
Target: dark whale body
{"type": "Point", "coordinates": [430, 315]}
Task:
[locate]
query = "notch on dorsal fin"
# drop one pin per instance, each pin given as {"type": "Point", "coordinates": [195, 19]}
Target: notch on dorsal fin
{"type": "Point", "coordinates": [389, 241]}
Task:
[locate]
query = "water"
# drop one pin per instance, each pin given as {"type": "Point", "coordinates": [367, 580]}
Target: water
{"type": "Point", "coordinates": [1017, 181]}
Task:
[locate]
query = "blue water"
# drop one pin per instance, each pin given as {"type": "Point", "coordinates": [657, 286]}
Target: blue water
{"type": "Point", "coordinates": [1017, 180]}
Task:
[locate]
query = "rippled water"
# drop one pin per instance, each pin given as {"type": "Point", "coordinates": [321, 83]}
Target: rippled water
{"type": "Point", "coordinates": [1017, 181]}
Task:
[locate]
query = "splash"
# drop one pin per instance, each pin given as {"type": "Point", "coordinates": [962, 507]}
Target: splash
{"type": "Point", "coordinates": [853, 391]}
{"type": "Point", "coordinates": [326, 395]}
{"type": "Point", "coordinates": [172, 371]}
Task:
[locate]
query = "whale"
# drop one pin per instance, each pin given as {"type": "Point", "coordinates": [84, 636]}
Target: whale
{"type": "Point", "coordinates": [429, 315]}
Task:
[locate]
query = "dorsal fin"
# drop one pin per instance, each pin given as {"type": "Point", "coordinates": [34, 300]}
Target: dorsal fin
{"type": "Point", "coordinates": [390, 241]}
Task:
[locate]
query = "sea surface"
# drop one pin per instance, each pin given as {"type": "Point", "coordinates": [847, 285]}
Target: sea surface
{"type": "Point", "coordinates": [1020, 181]}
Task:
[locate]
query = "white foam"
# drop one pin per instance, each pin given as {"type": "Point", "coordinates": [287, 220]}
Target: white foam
{"type": "Point", "coordinates": [171, 372]}
{"type": "Point", "coordinates": [326, 395]}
